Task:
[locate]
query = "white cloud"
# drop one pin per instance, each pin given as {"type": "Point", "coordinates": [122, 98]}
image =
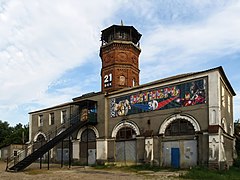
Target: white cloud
{"type": "Point", "coordinates": [182, 44]}
{"type": "Point", "coordinates": [42, 40]}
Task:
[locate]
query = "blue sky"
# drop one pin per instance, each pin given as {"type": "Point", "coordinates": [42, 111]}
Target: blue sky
{"type": "Point", "coordinates": [49, 50]}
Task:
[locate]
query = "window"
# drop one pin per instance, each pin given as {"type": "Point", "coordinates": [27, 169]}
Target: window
{"type": "Point", "coordinates": [40, 138]}
{"type": "Point", "coordinates": [40, 120]}
{"type": "Point", "coordinates": [15, 153]}
{"type": "Point", "coordinates": [229, 104]}
{"type": "Point", "coordinates": [63, 116]}
{"type": "Point", "coordinates": [223, 96]}
{"type": "Point", "coordinates": [180, 127]}
{"type": "Point", "coordinates": [133, 82]}
{"type": "Point", "coordinates": [125, 133]}
{"type": "Point", "coordinates": [122, 80]}
{"type": "Point", "coordinates": [121, 35]}
{"type": "Point", "coordinates": [51, 118]}
{"type": "Point", "coordinates": [88, 135]}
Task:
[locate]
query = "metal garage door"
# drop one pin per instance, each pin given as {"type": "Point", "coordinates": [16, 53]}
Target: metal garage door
{"type": "Point", "coordinates": [126, 151]}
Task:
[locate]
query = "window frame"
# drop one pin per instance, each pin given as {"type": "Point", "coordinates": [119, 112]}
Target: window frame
{"type": "Point", "coordinates": [51, 118]}
{"type": "Point", "coordinates": [40, 120]}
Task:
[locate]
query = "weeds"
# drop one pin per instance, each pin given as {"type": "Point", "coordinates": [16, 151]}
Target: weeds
{"type": "Point", "coordinates": [205, 173]}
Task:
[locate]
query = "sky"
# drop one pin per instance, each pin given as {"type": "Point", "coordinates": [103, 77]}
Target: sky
{"type": "Point", "coordinates": [49, 50]}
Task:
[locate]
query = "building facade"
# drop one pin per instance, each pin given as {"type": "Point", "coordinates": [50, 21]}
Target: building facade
{"type": "Point", "coordinates": [179, 121]}
{"type": "Point", "coordinates": [10, 150]}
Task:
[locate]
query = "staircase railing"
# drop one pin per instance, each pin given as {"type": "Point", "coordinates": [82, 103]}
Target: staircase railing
{"type": "Point", "coordinates": [13, 159]}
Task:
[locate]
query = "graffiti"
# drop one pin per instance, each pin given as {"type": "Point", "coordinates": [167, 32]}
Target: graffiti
{"type": "Point", "coordinates": [186, 94]}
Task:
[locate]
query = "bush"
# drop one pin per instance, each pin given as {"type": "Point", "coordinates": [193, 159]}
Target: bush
{"type": "Point", "coordinates": [236, 162]}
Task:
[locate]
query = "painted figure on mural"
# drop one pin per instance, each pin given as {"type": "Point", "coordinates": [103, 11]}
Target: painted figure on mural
{"type": "Point", "coordinates": [121, 108]}
{"type": "Point", "coordinates": [182, 95]}
{"type": "Point", "coordinates": [194, 96]}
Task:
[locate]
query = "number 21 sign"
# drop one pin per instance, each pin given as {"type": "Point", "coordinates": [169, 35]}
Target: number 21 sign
{"type": "Point", "coordinates": [108, 80]}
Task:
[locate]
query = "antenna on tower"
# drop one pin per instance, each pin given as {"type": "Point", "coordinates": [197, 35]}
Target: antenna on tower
{"type": "Point", "coordinates": [121, 22]}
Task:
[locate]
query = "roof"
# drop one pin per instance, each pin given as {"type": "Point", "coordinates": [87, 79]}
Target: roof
{"type": "Point", "coordinates": [87, 95]}
{"type": "Point", "coordinates": [76, 101]}
{"type": "Point", "coordinates": [53, 107]}
{"type": "Point", "coordinates": [84, 97]}
{"type": "Point", "coordinates": [135, 34]}
{"type": "Point", "coordinates": [220, 69]}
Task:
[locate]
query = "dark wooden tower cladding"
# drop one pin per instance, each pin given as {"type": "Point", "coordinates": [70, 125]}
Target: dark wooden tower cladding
{"type": "Point", "coordinates": [119, 52]}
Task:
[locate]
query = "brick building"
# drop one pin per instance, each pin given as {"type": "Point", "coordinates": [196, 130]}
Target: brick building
{"type": "Point", "coordinates": [179, 121]}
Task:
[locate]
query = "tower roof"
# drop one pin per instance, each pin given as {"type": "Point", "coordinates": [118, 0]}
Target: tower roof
{"type": "Point", "coordinates": [134, 34]}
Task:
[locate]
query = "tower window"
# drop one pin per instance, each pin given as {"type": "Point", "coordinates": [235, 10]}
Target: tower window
{"type": "Point", "coordinates": [133, 83]}
{"type": "Point", "coordinates": [122, 80]}
{"type": "Point", "coordinates": [121, 35]}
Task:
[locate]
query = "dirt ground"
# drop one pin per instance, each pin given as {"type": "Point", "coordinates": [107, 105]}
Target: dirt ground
{"type": "Point", "coordinates": [84, 173]}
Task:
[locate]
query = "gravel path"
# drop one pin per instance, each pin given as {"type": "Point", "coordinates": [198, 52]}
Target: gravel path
{"type": "Point", "coordinates": [83, 173]}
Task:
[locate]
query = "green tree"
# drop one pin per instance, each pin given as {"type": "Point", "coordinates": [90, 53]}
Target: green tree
{"type": "Point", "coordinates": [5, 130]}
{"type": "Point", "coordinates": [13, 135]}
{"type": "Point", "coordinates": [237, 145]}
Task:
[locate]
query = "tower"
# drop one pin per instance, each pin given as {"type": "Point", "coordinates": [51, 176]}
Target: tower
{"type": "Point", "coordinates": [120, 55]}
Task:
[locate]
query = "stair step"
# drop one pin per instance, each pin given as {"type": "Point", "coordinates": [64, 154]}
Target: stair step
{"type": "Point", "coordinates": [46, 147]}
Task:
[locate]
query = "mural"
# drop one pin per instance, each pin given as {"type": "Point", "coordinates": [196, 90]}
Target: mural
{"type": "Point", "coordinates": [186, 94]}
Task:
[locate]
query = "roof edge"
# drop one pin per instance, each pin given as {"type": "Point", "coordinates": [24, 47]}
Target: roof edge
{"type": "Point", "coordinates": [167, 79]}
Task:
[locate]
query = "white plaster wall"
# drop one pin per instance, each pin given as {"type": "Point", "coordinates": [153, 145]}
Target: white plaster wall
{"type": "Point", "coordinates": [214, 98]}
{"type": "Point", "coordinates": [75, 149]}
{"type": "Point", "coordinates": [101, 149]}
{"type": "Point", "coordinates": [222, 154]}
{"type": "Point", "coordinates": [30, 128]}
{"type": "Point", "coordinates": [188, 153]}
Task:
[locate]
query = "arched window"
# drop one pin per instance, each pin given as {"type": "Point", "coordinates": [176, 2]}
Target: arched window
{"type": "Point", "coordinates": [133, 82]}
{"type": "Point", "coordinates": [126, 133]}
{"type": "Point", "coordinates": [88, 135]}
{"type": "Point", "coordinates": [40, 138]}
{"type": "Point", "coordinates": [180, 127]}
{"type": "Point", "coordinates": [122, 80]}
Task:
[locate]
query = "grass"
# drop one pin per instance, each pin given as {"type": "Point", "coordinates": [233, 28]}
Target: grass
{"type": "Point", "coordinates": [136, 168]}
{"type": "Point", "coordinates": [204, 173]}
{"type": "Point", "coordinates": [132, 168]}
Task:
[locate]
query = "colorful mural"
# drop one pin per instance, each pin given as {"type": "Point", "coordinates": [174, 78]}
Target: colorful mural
{"type": "Point", "coordinates": [186, 94]}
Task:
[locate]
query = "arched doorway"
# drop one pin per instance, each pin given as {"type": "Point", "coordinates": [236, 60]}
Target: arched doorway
{"type": "Point", "coordinates": [126, 145]}
{"type": "Point", "coordinates": [88, 147]}
{"type": "Point", "coordinates": [179, 142]}
{"type": "Point", "coordinates": [39, 140]}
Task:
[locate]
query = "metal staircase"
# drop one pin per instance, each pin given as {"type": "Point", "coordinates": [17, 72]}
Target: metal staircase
{"type": "Point", "coordinates": [21, 161]}
{"type": "Point", "coordinates": [46, 147]}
